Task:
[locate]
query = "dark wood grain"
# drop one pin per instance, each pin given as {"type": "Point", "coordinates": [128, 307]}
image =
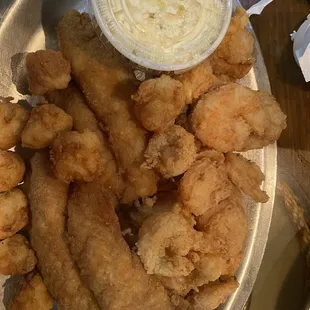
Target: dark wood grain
{"type": "Point", "coordinates": [273, 28]}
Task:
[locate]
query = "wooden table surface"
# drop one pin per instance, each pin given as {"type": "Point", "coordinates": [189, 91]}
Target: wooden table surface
{"type": "Point", "coordinates": [273, 28]}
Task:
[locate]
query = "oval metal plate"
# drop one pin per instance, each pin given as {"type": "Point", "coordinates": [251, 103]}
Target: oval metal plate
{"type": "Point", "coordinates": [29, 25]}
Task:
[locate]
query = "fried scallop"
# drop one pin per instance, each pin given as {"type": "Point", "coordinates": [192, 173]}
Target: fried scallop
{"type": "Point", "coordinates": [171, 152]}
{"type": "Point", "coordinates": [76, 156]}
{"type": "Point", "coordinates": [158, 102]}
{"type": "Point", "coordinates": [47, 70]}
{"type": "Point", "coordinates": [16, 256]}
{"type": "Point", "coordinates": [45, 122]}
{"type": "Point", "coordinates": [13, 119]}
{"type": "Point", "coordinates": [12, 170]}
{"type": "Point", "coordinates": [13, 212]}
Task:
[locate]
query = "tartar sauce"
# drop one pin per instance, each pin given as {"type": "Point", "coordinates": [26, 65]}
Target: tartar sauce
{"type": "Point", "coordinates": [165, 31]}
{"type": "Point", "coordinates": [167, 24]}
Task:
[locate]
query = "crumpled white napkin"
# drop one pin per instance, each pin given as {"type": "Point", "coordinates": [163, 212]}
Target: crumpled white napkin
{"type": "Point", "coordinates": [258, 7]}
{"type": "Point", "coordinates": [301, 48]}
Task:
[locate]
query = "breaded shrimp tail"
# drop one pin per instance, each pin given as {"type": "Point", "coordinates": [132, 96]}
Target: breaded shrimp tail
{"type": "Point", "coordinates": [48, 199]}
{"type": "Point", "coordinates": [109, 269]}
{"type": "Point", "coordinates": [108, 85]}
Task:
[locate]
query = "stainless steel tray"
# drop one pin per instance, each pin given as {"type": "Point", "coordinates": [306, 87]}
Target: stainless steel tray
{"type": "Point", "coordinates": [29, 25]}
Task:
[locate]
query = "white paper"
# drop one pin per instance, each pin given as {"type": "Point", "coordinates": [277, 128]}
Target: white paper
{"type": "Point", "coordinates": [301, 48]}
{"type": "Point", "coordinates": [304, 63]}
{"type": "Point", "coordinates": [257, 8]}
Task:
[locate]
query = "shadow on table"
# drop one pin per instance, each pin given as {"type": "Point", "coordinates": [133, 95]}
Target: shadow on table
{"type": "Point", "coordinates": [291, 296]}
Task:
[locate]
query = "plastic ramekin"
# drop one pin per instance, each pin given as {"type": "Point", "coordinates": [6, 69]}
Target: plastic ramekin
{"type": "Point", "coordinates": [124, 44]}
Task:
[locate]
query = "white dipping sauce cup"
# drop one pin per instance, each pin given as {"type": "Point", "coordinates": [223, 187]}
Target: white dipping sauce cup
{"type": "Point", "coordinates": [188, 56]}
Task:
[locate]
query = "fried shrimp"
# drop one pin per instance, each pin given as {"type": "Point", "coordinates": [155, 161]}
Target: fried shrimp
{"type": "Point", "coordinates": [225, 231]}
{"type": "Point", "coordinates": [158, 102]}
{"type": "Point", "coordinates": [171, 152]}
{"type": "Point", "coordinates": [32, 295]}
{"type": "Point", "coordinates": [219, 251]}
{"type": "Point", "coordinates": [275, 122]}
{"type": "Point", "coordinates": [236, 118]}
{"type": "Point", "coordinates": [197, 81]}
{"type": "Point", "coordinates": [212, 295]}
{"type": "Point", "coordinates": [47, 70]}
{"type": "Point", "coordinates": [16, 257]}
{"type": "Point", "coordinates": [12, 170]}
{"type": "Point", "coordinates": [75, 156]}
{"type": "Point", "coordinates": [165, 241]}
{"type": "Point", "coordinates": [205, 184]}
{"type": "Point", "coordinates": [13, 212]}
{"type": "Point", "coordinates": [229, 226]}
{"type": "Point", "coordinates": [234, 56]}
{"type": "Point", "coordinates": [45, 122]}
{"type": "Point", "coordinates": [13, 119]}
{"type": "Point", "coordinates": [246, 175]}
{"type": "Point", "coordinates": [208, 267]}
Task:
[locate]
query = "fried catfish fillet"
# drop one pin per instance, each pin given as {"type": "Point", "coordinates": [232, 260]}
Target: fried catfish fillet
{"type": "Point", "coordinates": [48, 200]}
{"type": "Point", "coordinates": [108, 85]}
{"type": "Point", "coordinates": [109, 269]}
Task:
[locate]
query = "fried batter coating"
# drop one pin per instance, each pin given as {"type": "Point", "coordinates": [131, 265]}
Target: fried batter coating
{"type": "Point", "coordinates": [246, 175]}
{"type": "Point", "coordinates": [108, 84]}
{"type": "Point", "coordinates": [236, 118]}
{"type": "Point", "coordinates": [75, 156]}
{"type": "Point", "coordinates": [275, 122]}
{"type": "Point", "coordinates": [16, 257]}
{"type": "Point", "coordinates": [47, 70]}
{"type": "Point", "coordinates": [73, 102]}
{"type": "Point", "coordinates": [197, 81]}
{"type": "Point", "coordinates": [171, 152]}
{"type": "Point", "coordinates": [234, 56]}
{"type": "Point", "coordinates": [13, 119]}
{"type": "Point", "coordinates": [33, 295]}
{"type": "Point", "coordinates": [13, 212]}
{"type": "Point", "coordinates": [205, 184]}
{"type": "Point", "coordinates": [12, 170]}
{"type": "Point", "coordinates": [229, 225]}
{"type": "Point", "coordinates": [45, 122]}
{"type": "Point", "coordinates": [165, 241]}
{"type": "Point", "coordinates": [48, 199]}
{"type": "Point", "coordinates": [212, 295]}
{"type": "Point", "coordinates": [220, 251]}
{"type": "Point", "coordinates": [158, 102]}
{"type": "Point", "coordinates": [107, 265]}
{"type": "Point", "coordinates": [208, 267]}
